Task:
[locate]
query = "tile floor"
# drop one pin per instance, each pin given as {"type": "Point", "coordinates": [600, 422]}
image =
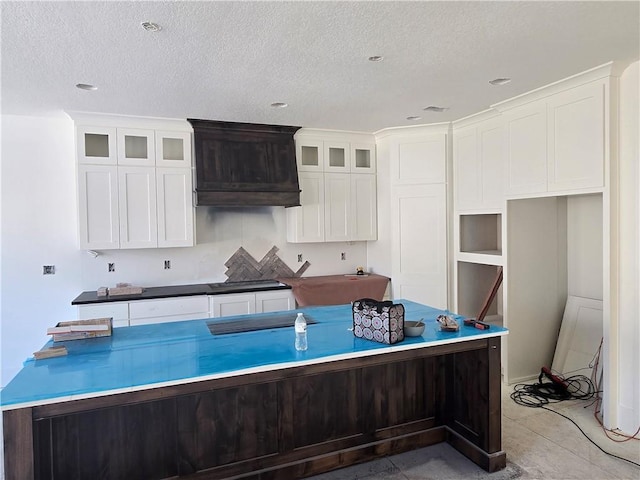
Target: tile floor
{"type": "Point", "coordinates": [539, 445]}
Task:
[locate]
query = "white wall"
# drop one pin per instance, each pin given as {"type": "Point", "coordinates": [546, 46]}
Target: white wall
{"type": "Point", "coordinates": [629, 252]}
{"type": "Point", "coordinates": [584, 246]}
{"type": "Point", "coordinates": [39, 227]}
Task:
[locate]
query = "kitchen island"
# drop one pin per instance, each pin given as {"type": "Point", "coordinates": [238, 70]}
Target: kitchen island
{"type": "Point", "coordinates": [174, 400]}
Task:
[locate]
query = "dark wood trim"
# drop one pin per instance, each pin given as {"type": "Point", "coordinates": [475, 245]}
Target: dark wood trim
{"type": "Point", "coordinates": [287, 423]}
{"type": "Point", "coordinates": [197, 386]}
{"type": "Point", "coordinates": [18, 444]}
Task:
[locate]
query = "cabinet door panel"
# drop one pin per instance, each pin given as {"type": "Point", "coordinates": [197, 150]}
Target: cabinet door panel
{"type": "Point", "coordinates": [337, 157]}
{"type": "Point", "coordinates": [363, 223]}
{"type": "Point", "coordinates": [527, 150]}
{"type": "Point", "coordinates": [96, 145]}
{"type": "Point", "coordinates": [467, 170]}
{"type": "Point", "coordinates": [306, 222]}
{"type": "Point", "coordinates": [98, 207]}
{"type": "Point", "coordinates": [419, 161]}
{"type": "Point", "coordinates": [418, 244]}
{"type": "Point", "coordinates": [492, 158]}
{"type": "Point", "coordinates": [118, 311]}
{"type": "Point", "coordinates": [363, 158]}
{"type": "Point", "coordinates": [310, 154]}
{"type": "Point", "coordinates": [337, 198]}
{"type": "Point", "coordinates": [137, 206]}
{"type": "Point", "coordinates": [175, 208]}
{"type": "Point", "coordinates": [576, 138]}
{"type": "Point", "coordinates": [173, 149]}
{"type": "Point", "coordinates": [234, 304]}
{"type": "Point", "coordinates": [275, 301]}
{"type": "Point", "coordinates": [136, 147]}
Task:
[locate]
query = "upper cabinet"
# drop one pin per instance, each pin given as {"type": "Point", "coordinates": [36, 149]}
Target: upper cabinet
{"type": "Point", "coordinates": [556, 144]}
{"type": "Point", "coordinates": [338, 188]}
{"type": "Point", "coordinates": [479, 153]}
{"type": "Point", "coordinates": [134, 182]}
{"type": "Point", "coordinates": [335, 152]}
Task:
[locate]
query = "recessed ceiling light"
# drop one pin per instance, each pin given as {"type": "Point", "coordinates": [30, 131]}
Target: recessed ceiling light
{"type": "Point", "coordinates": [376, 58]}
{"type": "Point", "coordinates": [499, 81]}
{"type": "Point", "coordinates": [433, 108]}
{"type": "Point", "coordinates": [86, 86]}
{"type": "Point", "coordinates": [151, 27]}
{"type": "Point", "coordinates": [414, 117]}
{"type": "Point", "coordinates": [279, 105]}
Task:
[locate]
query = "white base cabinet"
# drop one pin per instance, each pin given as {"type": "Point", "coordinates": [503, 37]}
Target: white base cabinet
{"type": "Point", "coordinates": [251, 302]}
{"type": "Point", "coordinates": [174, 309]}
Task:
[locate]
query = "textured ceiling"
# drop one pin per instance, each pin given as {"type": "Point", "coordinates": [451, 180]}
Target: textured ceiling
{"type": "Point", "coordinates": [231, 60]}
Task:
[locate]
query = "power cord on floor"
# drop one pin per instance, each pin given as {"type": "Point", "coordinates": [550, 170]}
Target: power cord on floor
{"type": "Point", "coordinates": [559, 389]}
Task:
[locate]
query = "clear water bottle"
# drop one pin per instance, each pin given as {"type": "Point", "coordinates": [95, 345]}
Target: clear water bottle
{"type": "Point", "coordinates": [300, 326]}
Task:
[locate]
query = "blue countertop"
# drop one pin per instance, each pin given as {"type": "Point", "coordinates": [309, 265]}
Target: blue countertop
{"type": "Point", "coordinates": [147, 356]}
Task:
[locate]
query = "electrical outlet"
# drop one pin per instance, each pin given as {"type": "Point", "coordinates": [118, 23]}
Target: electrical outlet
{"type": "Point", "coordinates": [299, 257]}
{"type": "Point", "coordinates": [48, 269]}
{"type": "Point", "coordinates": [167, 264]}
{"type": "Point", "coordinates": [343, 256]}
{"type": "Point", "coordinates": [112, 267]}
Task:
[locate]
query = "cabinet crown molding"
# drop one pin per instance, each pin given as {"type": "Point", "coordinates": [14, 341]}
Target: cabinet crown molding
{"type": "Point", "coordinates": [127, 121]}
{"type": "Point", "coordinates": [475, 118]}
{"type": "Point", "coordinates": [409, 130]}
{"type": "Point", "coordinates": [597, 73]}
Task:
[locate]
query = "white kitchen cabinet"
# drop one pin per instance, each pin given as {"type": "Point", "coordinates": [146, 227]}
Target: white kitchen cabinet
{"type": "Point", "coordinates": [338, 188]}
{"type": "Point", "coordinates": [137, 207]}
{"type": "Point", "coordinates": [275, 301]}
{"type": "Point", "coordinates": [174, 207]}
{"type": "Point", "coordinates": [161, 310]}
{"type": "Point", "coordinates": [136, 147]}
{"type": "Point", "coordinates": [98, 207]}
{"type": "Point", "coordinates": [134, 183]}
{"type": "Point", "coordinates": [479, 156]}
{"type": "Point", "coordinates": [556, 144]}
{"type": "Point", "coordinates": [337, 152]}
{"type": "Point", "coordinates": [305, 223]}
{"type": "Point", "coordinates": [526, 167]}
{"type": "Point", "coordinates": [227, 305]}
{"type": "Point", "coordinates": [96, 145]}
{"type": "Point", "coordinates": [173, 149]}
{"type": "Point", "coordinates": [232, 304]}
{"type": "Point", "coordinates": [118, 311]}
{"type": "Point", "coordinates": [337, 207]}
{"type": "Point", "coordinates": [419, 244]}
{"type": "Point", "coordinates": [575, 120]}
{"type": "Point", "coordinates": [419, 160]}
{"type": "Point", "coordinates": [364, 212]}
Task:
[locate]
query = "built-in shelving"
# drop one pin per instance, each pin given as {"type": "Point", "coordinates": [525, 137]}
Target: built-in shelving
{"type": "Point", "coordinates": [475, 281]}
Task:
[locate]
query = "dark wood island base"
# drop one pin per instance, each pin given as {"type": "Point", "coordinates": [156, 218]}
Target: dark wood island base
{"type": "Point", "coordinates": [279, 424]}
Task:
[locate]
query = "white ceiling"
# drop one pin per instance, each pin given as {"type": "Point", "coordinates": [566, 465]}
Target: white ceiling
{"type": "Point", "coordinates": [231, 60]}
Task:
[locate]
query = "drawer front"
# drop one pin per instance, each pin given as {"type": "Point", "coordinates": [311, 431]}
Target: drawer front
{"type": "Point", "coordinates": [169, 307]}
{"type": "Point", "coordinates": [117, 310]}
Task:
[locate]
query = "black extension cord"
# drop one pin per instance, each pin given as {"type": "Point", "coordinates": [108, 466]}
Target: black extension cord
{"type": "Point", "coordinates": [541, 394]}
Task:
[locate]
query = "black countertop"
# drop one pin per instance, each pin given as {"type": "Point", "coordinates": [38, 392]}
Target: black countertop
{"type": "Point", "coordinates": [86, 298]}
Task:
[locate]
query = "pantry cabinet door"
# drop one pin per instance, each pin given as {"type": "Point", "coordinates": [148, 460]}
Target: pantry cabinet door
{"type": "Point", "coordinates": [98, 207]}
{"type": "Point", "coordinates": [175, 207]}
{"type": "Point", "coordinates": [137, 206]}
{"type": "Point", "coordinates": [576, 138]}
{"type": "Point", "coordinates": [526, 166]}
{"type": "Point", "coordinates": [419, 244]}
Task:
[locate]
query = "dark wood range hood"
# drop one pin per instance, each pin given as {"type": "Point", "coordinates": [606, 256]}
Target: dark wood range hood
{"type": "Point", "coordinates": [244, 164]}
